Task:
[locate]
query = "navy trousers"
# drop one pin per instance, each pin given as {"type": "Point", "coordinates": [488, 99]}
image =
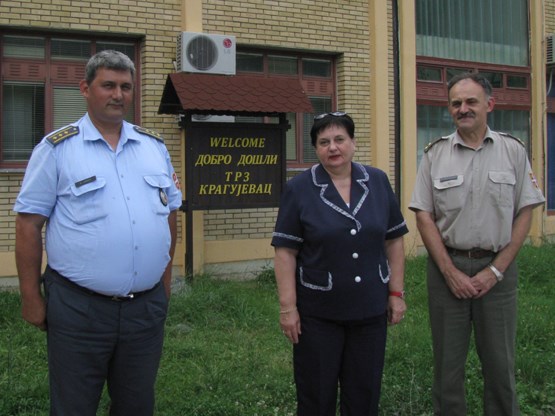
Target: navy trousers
{"type": "Point", "coordinates": [93, 340]}
{"type": "Point", "coordinates": [348, 355]}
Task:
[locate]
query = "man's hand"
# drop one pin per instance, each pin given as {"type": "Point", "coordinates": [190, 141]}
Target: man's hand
{"type": "Point", "coordinates": [483, 281]}
{"type": "Point", "coordinates": [34, 311]}
{"type": "Point", "coordinates": [460, 284]}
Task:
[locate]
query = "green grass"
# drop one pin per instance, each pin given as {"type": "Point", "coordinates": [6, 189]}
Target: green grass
{"type": "Point", "coordinates": [224, 354]}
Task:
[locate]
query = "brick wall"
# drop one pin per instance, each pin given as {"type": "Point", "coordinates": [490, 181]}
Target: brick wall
{"type": "Point", "coordinates": [156, 22]}
{"type": "Point", "coordinates": [338, 27]}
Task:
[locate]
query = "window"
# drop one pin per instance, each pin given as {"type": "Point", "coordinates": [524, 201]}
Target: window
{"type": "Point", "coordinates": [40, 87]}
{"type": "Point", "coordinates": [316, 75]}
{"type": "Point", "coordinates": [489, 36]}
{"type": "Point", "coordinates": [550, 177]}
{"type": "Point", "coordinates": [492, 31]}
{"type": "Point", "coordinates": [435, 121]}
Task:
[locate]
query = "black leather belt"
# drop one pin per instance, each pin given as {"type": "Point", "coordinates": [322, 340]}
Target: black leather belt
{"type": "Point", "coordinates": [114, 298]}
{"type": "Point", "coordinates": [474, 253]}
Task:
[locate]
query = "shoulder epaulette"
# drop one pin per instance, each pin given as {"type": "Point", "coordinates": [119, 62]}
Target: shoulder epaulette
{"type": "Point", "coordinates": [429, 145]}
{"type": "Point", "coordinates": [512, 137]}
{"type": "Point", "coordinates": [149, 132]}
{"type": "Point", "coordinates": [62, 134]}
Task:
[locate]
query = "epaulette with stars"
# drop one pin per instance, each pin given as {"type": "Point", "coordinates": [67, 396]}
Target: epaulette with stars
{"type": "Point", "coordinates": [149, 132]}
{"type": "Point", "coordinates": [512, 137]}
{"type": "Point", "coordinates": [62, 134]}
{"type": "Point", "coordinates": [429, 145]}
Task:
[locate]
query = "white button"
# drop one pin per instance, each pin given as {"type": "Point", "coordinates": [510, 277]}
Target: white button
{"type": "Point", "coordinates": [355, 255]}
{"type": "Point", "coordinates": [358, 279]}
{"type": "Point", "coordinates": [353, 231]}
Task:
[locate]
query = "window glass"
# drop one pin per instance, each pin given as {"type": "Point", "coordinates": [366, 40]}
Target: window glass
{"type": "Point", "coordinates": [317, 67]}
{"type": "Point", "coordinates": [494, 78]}
{"type": "Point", "coordinates": [550, 188]}
{"type": "Point", "coordinates": [250, 62]}
{"type": "Point", "coordinates": [69, 106]}
{"type": "Point", "coordinates": [24, 47]}
{"type": "Point", "coordinates": [516, 81]}
{"type": "Point", "coordinates": [320, 105]}
{"type": "Point", "coordinates": [22, 119]}
{"type": "Point", "coordinates": [427, 73]}
{"type": "Point", "coordinates": [451, 72]}
{"type": "Point", "coordinates": [291, 137]}
{"type": "Point", "coordinates": [71, 49]}
{"type": "Point", "coordinates": [492, 31]}
{"type": "Point", "coordinates": [514, 122]}
{"type": "Point", "coordinates": [36, 102]}
{"type": "Point", "coordinates": [315, 75]}
{"type": "Point", "coordinates": [284, 65]}
{"type": "Point", "coordinates": [435, 121]}
{"type": "Point", "coordinates": [126, 48]}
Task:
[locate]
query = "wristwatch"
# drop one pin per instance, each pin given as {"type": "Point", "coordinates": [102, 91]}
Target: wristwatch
{"type": "Point", "coordinates": [400, 294]}
{"type": "Point", "coordinates": [498, 275]}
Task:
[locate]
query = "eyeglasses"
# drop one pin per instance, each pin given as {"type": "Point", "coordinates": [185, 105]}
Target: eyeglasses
{"type": "Point", "coordinates": [334, 114]}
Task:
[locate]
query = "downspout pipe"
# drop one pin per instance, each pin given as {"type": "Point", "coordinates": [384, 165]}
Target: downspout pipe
{"type": "Point", "coordinates": [396, 96]}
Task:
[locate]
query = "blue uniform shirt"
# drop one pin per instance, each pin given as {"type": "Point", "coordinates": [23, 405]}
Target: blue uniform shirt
{"type": "Point", "coordinates": [342, 268]}
{"type": "Point", "coordinates": [107, 227]}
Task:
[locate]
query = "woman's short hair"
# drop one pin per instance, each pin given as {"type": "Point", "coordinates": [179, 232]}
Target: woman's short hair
{"type": "Point", "coordinates": [325, 120]}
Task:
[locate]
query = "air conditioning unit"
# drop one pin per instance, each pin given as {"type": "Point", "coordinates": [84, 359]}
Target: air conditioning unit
{"type": "Point", "coordinates": [550, 49]}
{"type": "Point", "coordinates": [206, 53]}
{"type": "Point", "coordinates": [212, 118]}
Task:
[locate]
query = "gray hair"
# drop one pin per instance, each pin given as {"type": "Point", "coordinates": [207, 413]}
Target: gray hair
{"type": "Point", "coordinates": [474, 76]}
{"type": "Point", "coordinates": [108, 59]}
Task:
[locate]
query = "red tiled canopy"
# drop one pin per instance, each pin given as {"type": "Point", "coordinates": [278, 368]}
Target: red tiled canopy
{"type": "Point", "coordinates": [235, 94]}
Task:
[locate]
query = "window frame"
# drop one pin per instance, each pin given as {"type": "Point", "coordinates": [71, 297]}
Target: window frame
{"type": "Point", "coordinates": [56, 72]}
{"type": "Point", "coordinates": [314, 86]}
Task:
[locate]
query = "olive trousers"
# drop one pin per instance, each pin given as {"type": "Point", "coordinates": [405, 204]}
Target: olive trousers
{"type": "Point", "coordinates": [493, 319]}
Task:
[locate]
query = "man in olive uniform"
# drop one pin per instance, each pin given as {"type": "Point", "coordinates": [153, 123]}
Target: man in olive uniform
{"type": "Point", "coordinates": [474, 196]}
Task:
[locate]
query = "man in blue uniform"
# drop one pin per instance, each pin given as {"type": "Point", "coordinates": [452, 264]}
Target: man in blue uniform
{"type": "Point", "coordinates": [108, 194]}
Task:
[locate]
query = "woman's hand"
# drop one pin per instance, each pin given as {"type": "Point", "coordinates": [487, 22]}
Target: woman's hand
{"type": "Point", "coordinates": [290, 323]}
{"type": "Point", "coordinates": [396, 308]}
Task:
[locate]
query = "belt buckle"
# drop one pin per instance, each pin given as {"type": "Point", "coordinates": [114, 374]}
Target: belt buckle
{"type": "Point", "coordinates": [116, 298]}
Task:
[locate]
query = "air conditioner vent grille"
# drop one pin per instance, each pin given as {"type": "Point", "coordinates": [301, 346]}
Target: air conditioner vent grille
{"type": "Point", "coordinates": [202, 53]}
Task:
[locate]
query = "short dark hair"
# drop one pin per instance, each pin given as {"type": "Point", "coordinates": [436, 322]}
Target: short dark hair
{"type": "Point", "coordinates": [323, 121]}
{"type": "Point", "coordinates": [474, 76]}
{"type": "Point", "coordinates": [108, 59]}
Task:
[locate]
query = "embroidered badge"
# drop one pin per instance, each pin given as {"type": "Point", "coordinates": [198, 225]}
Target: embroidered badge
{"type": "Point", "coordinates": [163, 197]}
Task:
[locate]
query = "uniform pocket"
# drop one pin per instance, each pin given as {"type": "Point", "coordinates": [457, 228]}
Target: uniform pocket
{"type": "Point", "coordinates": [448, 192]}
{"type": "Point", "coordinates": [501, 187]}
{"type": "Point", "coordinates": [316, 279]}
{"type": "Point", "coordinates": [86, 203]}
{"type": "Point", "coordinates": [158, 196]}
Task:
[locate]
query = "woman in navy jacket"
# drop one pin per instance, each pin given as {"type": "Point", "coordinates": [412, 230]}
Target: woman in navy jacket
{"type": "Point", "coordinates": [339, 265]}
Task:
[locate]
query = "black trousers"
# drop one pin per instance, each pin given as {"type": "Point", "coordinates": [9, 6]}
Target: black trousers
{"type": "Point", "coordinates": [345, 354]}
{"type": "Point", "coordinates": [93, 340]}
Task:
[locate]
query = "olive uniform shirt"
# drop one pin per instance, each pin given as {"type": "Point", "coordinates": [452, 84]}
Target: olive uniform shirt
{"type": "Point", "coordinates": [475, 194]}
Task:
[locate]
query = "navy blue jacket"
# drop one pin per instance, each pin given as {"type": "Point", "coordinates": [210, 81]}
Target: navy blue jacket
{"type": "Point", "coordinates": [342, 270]}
